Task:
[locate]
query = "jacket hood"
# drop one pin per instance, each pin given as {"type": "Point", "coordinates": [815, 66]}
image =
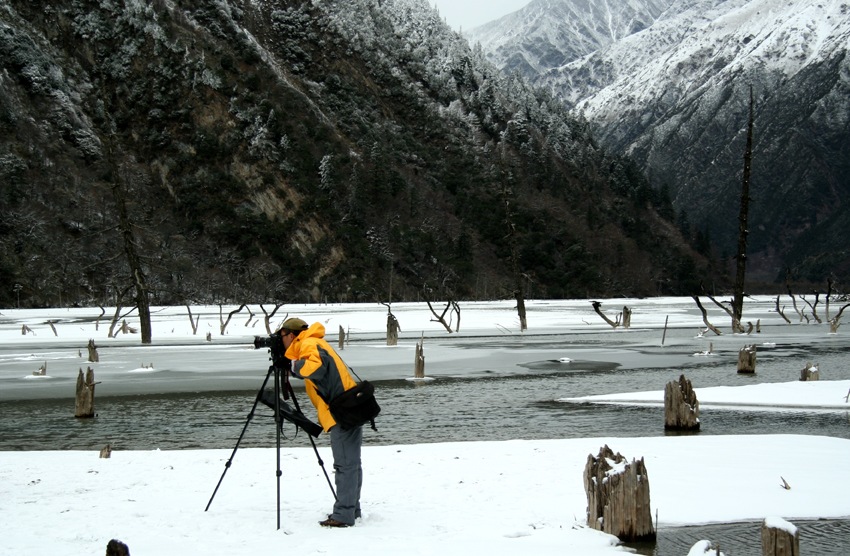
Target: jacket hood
{"type": "Point", "coordinates": [316, 330]}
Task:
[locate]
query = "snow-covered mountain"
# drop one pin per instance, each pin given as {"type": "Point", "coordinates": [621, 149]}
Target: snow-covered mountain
{"type": "Point", "coordinates": [670, 85]}
{"type": "Point", "coordinates": [547, 34]}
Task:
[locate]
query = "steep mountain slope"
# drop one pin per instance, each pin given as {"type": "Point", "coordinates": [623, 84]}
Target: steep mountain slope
{"type": "Point", "coordinates": [675, 97]}
{"type": "Point", "coordinates": [295, 150]}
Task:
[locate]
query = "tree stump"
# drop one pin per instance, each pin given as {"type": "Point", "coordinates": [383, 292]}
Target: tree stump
{"type": "Point", "coordinates": [93, 356]}
{"type": "Point", "coordinates": [419, 361]}
{"type": "Point", "coordinates": [392, 330]}
{"type": "Point", "coordinates": [681, 407]}
{"type": "Point", "coordinates": [84, 401]}
{"type": "Point", "coordinates": [779, 538]}
{"type": "Point", "coordinates": [627, 317]}
{"type": "Point", "coordinates": [810, 372]}
{"type": "Point", "coordinates": [747, 359]}
{"type": "Point", "coordinates": [618, 496]}
{"type": "Point", "coordinates": [341, 343]}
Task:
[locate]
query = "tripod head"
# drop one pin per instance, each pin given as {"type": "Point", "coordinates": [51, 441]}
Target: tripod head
{"type": "Point", "coordinates": [277, 355]}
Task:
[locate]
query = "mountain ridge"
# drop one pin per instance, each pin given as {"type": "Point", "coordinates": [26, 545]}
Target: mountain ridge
{"type": "Point", "coordinates": [674, 96]}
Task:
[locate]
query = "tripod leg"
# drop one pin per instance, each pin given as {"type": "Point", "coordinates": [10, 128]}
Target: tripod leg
{"type": "Point", "coordinates": [288, 387]}
{"type": "Point", "coordinates": [236, 447]}
{"type": "Point", "coordinates": [278, 424]}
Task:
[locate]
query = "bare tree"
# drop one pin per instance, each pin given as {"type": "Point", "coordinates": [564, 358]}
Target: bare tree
{"type": "Point", "coordinates": [781, 310]}
{"type": "Point", "coordinates": [441, 318]}
{"type": "Point", "coordinates": [705, 316]}
{"type": "Point", "coordinates": [224, 322]}
{"type": "Point", "coordinates": [511, 239]}
{"type": "Point", "coordinates": [743, 228]}
{"type": "Point", "coordinates": [597, 306]}
{"type": "Point", "coordinates": [268, 316]}
{"type": "Point", "coordinates": [813, 306]}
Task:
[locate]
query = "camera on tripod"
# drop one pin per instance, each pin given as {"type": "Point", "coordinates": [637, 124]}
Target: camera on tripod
{"type": "Point", "coordinates": [271, 397]}
{"type": "Point", "coordinates": [280, 363]}
{"type": "Point", "coordinates": [274, 342]}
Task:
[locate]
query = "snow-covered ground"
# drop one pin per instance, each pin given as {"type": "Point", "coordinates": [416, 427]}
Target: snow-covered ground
{"type": "Point", "coordinates": [513, 497]}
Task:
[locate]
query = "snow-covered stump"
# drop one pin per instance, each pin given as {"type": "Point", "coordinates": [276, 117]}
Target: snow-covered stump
{"type": "Point", "coordinates": [779, 538]}
{"type": "Point", "coordinates": [747, 359]}
{"type": "Point", "coordinates": [810, 372]}
{"type": "Point", "coordinates": [681, 407]}
{"type": "Point", "coordinates": [618, 496]}
{"type": "Point", "coordinates": [419, 361]}
{"type": "Point", "coordinates": [84, 399]}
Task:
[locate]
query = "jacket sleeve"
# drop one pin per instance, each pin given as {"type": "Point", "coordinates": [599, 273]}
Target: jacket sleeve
{"type": "Point", "coordinates": [309, 364]}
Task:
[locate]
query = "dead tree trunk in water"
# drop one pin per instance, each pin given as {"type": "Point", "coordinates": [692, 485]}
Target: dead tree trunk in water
{"type": "Point", "coordinates": [779, 538]}
{"type": "Point", "coordinates": [810, 372]}
{"type": "Point", "coordinates": [84, 399]}
{"type": "Point", "coordinates": [743, 229]}
{"type": "Point", "coordinates": [512, 242]}
{"type": "Point", "coordinates": [419, 359]}
{"type": "Point", "coordinates": [835, 321]}
{"type": "Point", "coordinates": [597, 307]}
{"type": "Point", "coordinates": [747, 359]}
{"type": "Point", "coordinates": [140, 282]}
{"type": "Point", "coordinates": [681, 407]}
{"type": "Point", "coordinates": [705, 316]}
{"type": "Point", "coordinates": [393, 327]}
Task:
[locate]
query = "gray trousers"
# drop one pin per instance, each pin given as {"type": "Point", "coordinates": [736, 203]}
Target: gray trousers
{"type": "Point", "coordinates": [348, 475]}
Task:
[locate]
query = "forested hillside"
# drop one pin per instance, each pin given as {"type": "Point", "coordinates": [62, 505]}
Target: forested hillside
{"type": "Point", "coordinates": [230, 151]}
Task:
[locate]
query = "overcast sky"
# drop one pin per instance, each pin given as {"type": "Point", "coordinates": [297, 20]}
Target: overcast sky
{"type": "Point", "coordinates": [472, 13]}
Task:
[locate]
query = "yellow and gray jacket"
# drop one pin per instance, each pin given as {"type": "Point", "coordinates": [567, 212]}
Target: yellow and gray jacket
{"type": "Point", "coordinates": [325, 374]}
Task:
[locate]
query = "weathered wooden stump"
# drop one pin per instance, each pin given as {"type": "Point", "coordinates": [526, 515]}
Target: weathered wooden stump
{"type": "Point", "coordinates": [747, 359]}
{"type": "Point", "coordinates": [117, 548]}
{"type": "Point", "coordinates": [393, 329]}
{"type": "Point", "coordinates": [618, 496]}
{"type": "Point", "coordinates": [810, 372]}
{"type": "Point", "coordinates": [681, 407]}
{"type": "Point", "coordinates": [84, 400]}
{"type": "Point", "coordinates": [779, 538]}
{"type": "Point", "coordinates": [106, 452]}
{"type": "Point", "coordinates": [341, 343]}
{"type": "Point", "coordinates": [93, 356]}
{"type": "Point", "coordinates": [419, 361]}
{"type": "Point", "coordinates": [627, 317]}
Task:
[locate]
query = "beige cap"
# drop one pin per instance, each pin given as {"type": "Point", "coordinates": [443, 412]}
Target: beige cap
{"type": "Point", "coordinates": [293, 325]}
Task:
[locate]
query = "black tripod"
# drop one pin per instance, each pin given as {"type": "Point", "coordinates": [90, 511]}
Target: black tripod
{"type": "Point", "coordinates": [282, 411]}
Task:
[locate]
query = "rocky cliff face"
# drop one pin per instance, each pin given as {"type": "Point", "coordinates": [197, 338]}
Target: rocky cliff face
{"type": "Point", "coordinates": [674, 95]}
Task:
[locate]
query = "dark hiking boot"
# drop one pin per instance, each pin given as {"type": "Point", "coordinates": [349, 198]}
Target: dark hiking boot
{"type": "Point", "coordinates": [331, 522]}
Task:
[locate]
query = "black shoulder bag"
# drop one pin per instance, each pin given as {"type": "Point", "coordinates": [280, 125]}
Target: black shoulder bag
{"type": "Point", "coordinates": [356, 406]}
